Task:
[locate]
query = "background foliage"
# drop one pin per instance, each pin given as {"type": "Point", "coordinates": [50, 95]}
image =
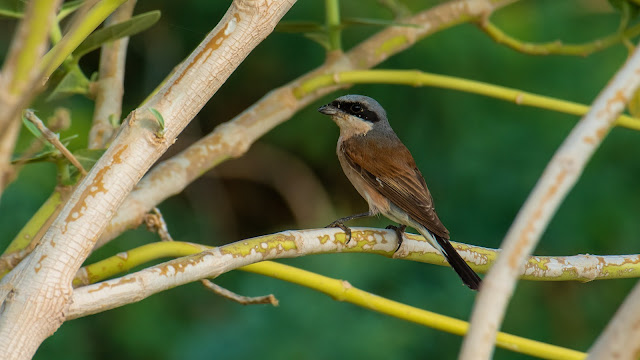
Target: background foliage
{"type": "Point", "coordinates": [480, 157]}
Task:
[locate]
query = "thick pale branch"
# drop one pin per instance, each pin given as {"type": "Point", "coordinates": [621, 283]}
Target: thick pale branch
{"type": "Point", "coordinates": [37, 292]}
{"type": "Point", "coordinates": [561, 174]}
{"type": "Point", "coordinates": [234, 137]}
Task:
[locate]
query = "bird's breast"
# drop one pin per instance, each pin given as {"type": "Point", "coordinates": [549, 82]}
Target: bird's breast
{"type": "Point", "coordinates": [377, 202]}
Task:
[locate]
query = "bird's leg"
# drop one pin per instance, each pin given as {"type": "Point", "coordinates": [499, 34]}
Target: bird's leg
{"type": "Point", "coordinates": [399, 233]}
{"type": "Point", "coordinates": [347, 231]}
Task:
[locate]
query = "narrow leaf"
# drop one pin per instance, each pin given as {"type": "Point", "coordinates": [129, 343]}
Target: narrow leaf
{"type": "Point", "coordinates": [73, 82]}
{"type": "Point", "coordinates": [158, 117]}
{"type": "Point", "coordinates": [114, 32]}
{"type": "Point", "coordinates": [12, 8]}
{"type": "Point", "coordinates": [31, 127]}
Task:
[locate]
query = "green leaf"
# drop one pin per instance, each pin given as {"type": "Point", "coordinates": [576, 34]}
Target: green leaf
{"type": "Point", "coordinates": [12, 8]}
{"type": "Point", "coordinates": [48, 152]}
{"type": "Point", "coordinates": [31, 127]}
{"type": "Point", "coordinates": [48, 155]}
{"type": "Point", "coordinates": [73, 82]}
{"type": "Point", "coordinates": [114, 32]}
{"type": "Point", "coordinates": [159, 118]}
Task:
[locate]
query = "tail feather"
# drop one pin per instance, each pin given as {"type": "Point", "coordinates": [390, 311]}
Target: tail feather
{"type": "Point", "coordinates": [468, 276]}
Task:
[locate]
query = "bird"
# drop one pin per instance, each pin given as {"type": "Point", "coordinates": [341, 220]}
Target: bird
{"type": "Point", "coordinates": [385, 174]}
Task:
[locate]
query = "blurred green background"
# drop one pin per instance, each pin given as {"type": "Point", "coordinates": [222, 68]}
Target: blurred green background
{"type": "Point", "coordinates": [480, 156]}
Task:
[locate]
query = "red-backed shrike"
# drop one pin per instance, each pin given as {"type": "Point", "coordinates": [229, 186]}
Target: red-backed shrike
{"type": "Point", "coordinates": [383, 171]}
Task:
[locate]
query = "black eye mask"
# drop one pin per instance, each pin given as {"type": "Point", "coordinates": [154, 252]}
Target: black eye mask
{"type": "Point", "coordinates": [358, 110]}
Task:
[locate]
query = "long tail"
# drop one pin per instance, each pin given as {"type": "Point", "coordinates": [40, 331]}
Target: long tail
{"type": "Point", "coordinates": [468, 276]}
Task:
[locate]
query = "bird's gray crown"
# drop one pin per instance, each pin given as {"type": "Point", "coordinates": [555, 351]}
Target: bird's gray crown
{"type": "Point", "coordinates": [361, 106]}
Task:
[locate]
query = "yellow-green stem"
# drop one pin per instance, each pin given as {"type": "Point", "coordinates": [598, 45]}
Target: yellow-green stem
{"type": "Point", "coordinates": [418, 78]}
{"type": "Point", "coordinates": [557, 47]}
{"type": "Point", "coordinates": [337, 289]}
{"type": "Point", "coordinates": [29, 54]}
{"type": "Point", "coordinates": [29, 231]}
{"type": "Point", "coordinates": [332, 8]}
{"type": "Point", "coordinates": [91, 20]}
{"type": "Point", "coordinates": [56, 33]}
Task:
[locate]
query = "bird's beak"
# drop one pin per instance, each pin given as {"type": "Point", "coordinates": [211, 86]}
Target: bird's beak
{"type": "Point", "coordinates": [328, 109]}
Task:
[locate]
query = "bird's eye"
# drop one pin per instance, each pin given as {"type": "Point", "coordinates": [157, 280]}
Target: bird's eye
{"type": "Point", "coordinates": [355, 108]}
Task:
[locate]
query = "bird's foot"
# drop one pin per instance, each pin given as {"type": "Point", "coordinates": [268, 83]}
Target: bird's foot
{"type": "Point", "coordinates": [399, 233]}
{"type": "Point", "coordinates": [340, 224]}
{"type": "Point", "coordinates": [345, 228]}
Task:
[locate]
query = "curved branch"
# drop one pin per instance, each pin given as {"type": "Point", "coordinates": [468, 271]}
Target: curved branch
{"type": "Point", "coordinates": [538, 268]}
{"type": "Point", "coordinates": [561, 174]}
{"type": "Point", "coordinates": [556, 47]}
{"type": "Point", "coordinates": [338, 289]}
{"type": "Point", "coordinates": [213, 262]}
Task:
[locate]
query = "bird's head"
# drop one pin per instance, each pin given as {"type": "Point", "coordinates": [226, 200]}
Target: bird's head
{"type": "Point", "coordinates": [356, 115]}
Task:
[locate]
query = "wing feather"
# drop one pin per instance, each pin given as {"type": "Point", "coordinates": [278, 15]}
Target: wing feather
{"type": "Point", "coordinates": [394, 174]}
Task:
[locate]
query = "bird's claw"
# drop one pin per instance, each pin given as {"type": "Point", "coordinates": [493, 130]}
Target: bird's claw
{"type": "Point", "coordinates": [399, 233]}
{"type": "Point", "coordinates": [346, 229]}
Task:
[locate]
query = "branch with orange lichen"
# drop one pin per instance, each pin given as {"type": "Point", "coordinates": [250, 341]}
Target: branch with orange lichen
{"type": "Point", "coordinates": [365, 240]}
{"type": "Point", "coordinates": [29, 315]}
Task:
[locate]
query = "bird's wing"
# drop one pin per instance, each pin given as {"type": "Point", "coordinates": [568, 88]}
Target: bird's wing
{"type": "Point", "coordinates": [389, 168]}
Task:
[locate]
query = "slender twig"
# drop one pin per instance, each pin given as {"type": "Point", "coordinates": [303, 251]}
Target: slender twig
{"type": "Point", "coordinates": [560, 175]}
{"type": "Point", "coordinates": [155, 222]}
{"type": "Point", "coordinates": [557, 47]}
{"type": "Point", "coordinates": [53, 138]}
{"type": "Point", "coordinates": [240, 299]}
